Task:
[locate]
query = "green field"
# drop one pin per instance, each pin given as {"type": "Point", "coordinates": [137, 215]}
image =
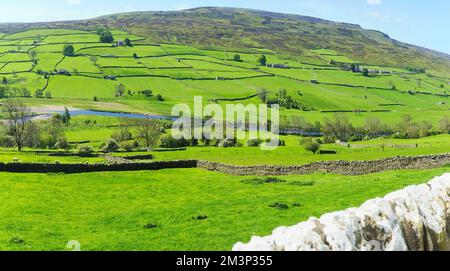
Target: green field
{"type": "Point", "coordinates": [179, 72]}
{"type": "Point", "coordinates": [110, 211]}
{"type": "Point", "coordinates": [159, 210]}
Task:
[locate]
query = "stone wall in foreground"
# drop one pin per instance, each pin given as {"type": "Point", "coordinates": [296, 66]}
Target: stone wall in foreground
{"type": "Point", "coordinates": [416, 218]}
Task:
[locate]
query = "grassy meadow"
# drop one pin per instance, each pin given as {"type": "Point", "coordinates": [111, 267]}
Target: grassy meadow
{"type": "Point", "coordinates": [172, 209]}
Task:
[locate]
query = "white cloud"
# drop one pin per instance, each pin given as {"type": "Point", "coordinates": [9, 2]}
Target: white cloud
{"type": "Point", "coordinates": [374, 2]}
{"type": "Point", "coordinates": [73, 2]}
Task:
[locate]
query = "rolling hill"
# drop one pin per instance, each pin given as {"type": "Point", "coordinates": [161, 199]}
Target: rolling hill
{"type": "Point", "coordinates": [106, 104]}
{"type": "Point", "coordinates": [243, 28]}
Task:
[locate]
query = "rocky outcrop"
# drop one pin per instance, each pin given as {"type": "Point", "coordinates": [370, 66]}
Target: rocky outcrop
{"type": "Point", "coordinates": [336, 167]}
{"type": "Point", "coordinates": [414, 219]}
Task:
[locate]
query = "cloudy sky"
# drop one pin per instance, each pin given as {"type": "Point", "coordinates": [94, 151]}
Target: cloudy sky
{"type": "Point", "coordinates": [425, 23]}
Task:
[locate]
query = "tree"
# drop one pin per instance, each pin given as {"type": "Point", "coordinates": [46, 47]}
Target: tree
{"type": "Point", "coordinates": [111, 146]}
{"type": "Point", "coordinates": [68, 50]}
{"type": "Point", "coordinates": [310, 144]}
{"type": "Point", "coordinates": [148, 93]}
{"type": "Point", "coordinates": [25, 92]}
{"type": "Point", "coordinates": [149, 132]}
{"type": "Point", "coordinates": [237, 58]}
{"type": "Point", "coordinates": [66, 116]}
{"type": "Point", "coordinates": [123, 134]}
{"type": "Point", "coordinates": [17, 115]}
{"type": "Point", "coordinates": [5, 81]}
{"type": "Point", "coordinates": [373, 127]}
{"type": "Point", "coordinates": [407, 128]}
{"type": "Point", "coordinates": [262, 94]}
{"type": "Point", "coordinates": [106, 37]}
{"type": "Point", "coordinates": [425, 128]}
{"type": "Point", "coordinates": [33, 55]}
{"type": "Point", "coordinates": [444, 125]}
{"type": "Point", "coordinates": [100, 30]}
{"type": "Point", "coordinates": [120, 90]}
{"type": "Point", "coordinates": [32, 136]}
{"type": "Point", "coordinates": [93, 59]}
{"type": "Point", "coordinates": [128, 42]}
{"type": "Point", "coordinates": [55, 129]}
{"type": "Point", "coordinates": [84, 151]}
{"type": "Point", "coordinates": [160, 98]}
{"type": "Point", "coordinates": [38, 93]}
{"type": "Point", "coordinates": [135, 55]}
{"type": "Point", "coordinates": [338, 128]}
{"type": "Point", "coordinates": [365, 72]}
{"type": "Point", "coordinates": [262, 60]}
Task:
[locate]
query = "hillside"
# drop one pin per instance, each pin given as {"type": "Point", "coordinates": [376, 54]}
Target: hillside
{"type": "Point", "coordinates": [243, 28]}
{"type": "Point", "coordinates": [87, 153]}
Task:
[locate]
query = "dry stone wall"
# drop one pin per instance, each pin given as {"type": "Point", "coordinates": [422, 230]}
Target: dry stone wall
{"type": "Point", "coordinates": [337, 167]}
{"type": "Point", "coordinates": [414, 219]}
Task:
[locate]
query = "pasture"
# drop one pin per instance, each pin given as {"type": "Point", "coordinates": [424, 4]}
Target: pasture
{"type": "Point", "coordinates": [192, 209]}
{"type": "Point", "coordinates": [181, 209]}
{"type": "Point", "coordinates": [179, 72]}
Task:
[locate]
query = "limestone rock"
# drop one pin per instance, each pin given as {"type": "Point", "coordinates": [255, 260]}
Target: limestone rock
{"type": "Point", "coordinates": [416, 218]}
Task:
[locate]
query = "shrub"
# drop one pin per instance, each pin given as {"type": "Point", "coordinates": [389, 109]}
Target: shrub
{"type": "Point", "coordinates": [68, 50]}
{"type": "Point", "coordinates": [168, 141]}
{"type": "Point", "coordinates": [254, 142]}
{"type": "Point", "coordinates": [262, 60]}
{"type": "Point", "coordinates": [279, 143]}
{"type": "Point", "coordinates": [328, 140]}
{"type": "Point", "coordinates": [127, 146]}
{"type": "Point", "coordinates": [312, 147]}
{"type": "Point", "coordinates": [62, 143]}
{"type": "Point", "coordinates": [148, 93]}
{"type": "Point", "coordinates": [227, 143]}
{"type": "Point", "coordinates": [84, 151]}
{"type": "Point", "coordinates": [111, 146]}
{"type": "Point", "coordinates": [123, 134]}
{"type": "Point", "coordinates": [310, 144]}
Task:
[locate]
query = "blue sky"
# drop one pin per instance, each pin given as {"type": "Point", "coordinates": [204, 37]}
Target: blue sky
{"type": "Point", "coordinates": [424, 23]}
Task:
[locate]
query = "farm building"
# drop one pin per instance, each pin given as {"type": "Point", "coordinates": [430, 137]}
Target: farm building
{"type": "Point", "coordinates": [278, 66]}
{"type": "Point", "coordinates": [110, 77]}
{"type": "Point", "coordinates": [63, 72]}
